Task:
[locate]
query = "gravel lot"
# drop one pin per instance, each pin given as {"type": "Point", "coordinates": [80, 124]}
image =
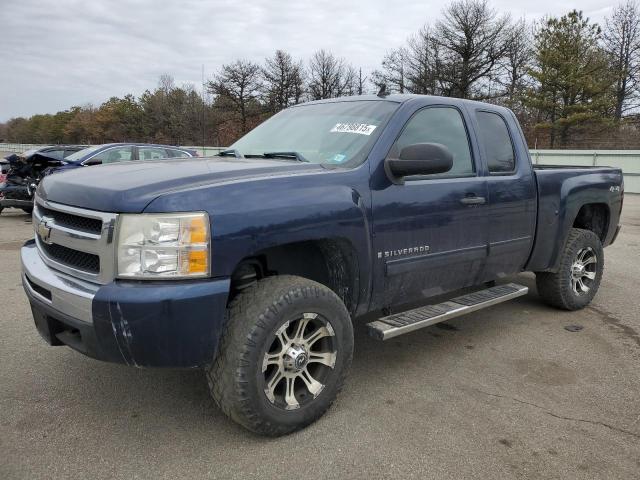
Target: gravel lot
{"type": "Point", "coordinates": [503, 393]}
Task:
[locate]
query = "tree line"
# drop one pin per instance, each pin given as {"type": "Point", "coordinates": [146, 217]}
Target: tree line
{"type": "Point", "coordinates": [571, 82]}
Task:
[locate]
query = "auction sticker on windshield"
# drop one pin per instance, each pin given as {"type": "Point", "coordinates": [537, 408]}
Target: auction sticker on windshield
{"type": "Point", "coordinates": [359, 128]}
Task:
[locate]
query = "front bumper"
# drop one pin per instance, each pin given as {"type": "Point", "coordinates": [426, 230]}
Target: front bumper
{"type": "Point", "coordinates": [146, 324]}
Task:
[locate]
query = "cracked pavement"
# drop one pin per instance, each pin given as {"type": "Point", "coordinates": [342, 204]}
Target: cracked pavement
{"type": "Point", "coordinates": [501, 393]}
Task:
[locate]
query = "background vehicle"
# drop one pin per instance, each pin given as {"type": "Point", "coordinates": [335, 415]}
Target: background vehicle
{"type": "Point", "coordinates": [28, 169]}
{"type": "Point", "coordinates": [20, 171]}
{"type": "Point", "coordinates": [122, 152]}
{"type": "Point", "coordinates": [253, 265]}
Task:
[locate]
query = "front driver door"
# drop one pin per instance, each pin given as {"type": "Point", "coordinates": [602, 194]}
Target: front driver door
{"type": "Point", "coordinates": [430, 233]}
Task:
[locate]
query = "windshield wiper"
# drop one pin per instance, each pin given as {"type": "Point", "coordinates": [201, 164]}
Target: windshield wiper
{"type": "Point", "coordinates": [230, 152]}
{"type": "Point", "coordinates": [290, 155]}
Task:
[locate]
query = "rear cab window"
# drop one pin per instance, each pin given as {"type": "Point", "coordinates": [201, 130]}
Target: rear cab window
{"type": "Point", "coordinates": [496, 142]}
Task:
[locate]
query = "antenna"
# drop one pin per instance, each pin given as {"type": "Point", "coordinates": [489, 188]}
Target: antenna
{"type": "Point", "coordinates": [383, 91]}
{"type": "Point", "coordinates": [204, 153]}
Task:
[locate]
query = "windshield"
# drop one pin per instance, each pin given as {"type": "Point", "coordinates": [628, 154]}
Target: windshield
{"type": "Point", "coordinates": [340, 133]}
{"type": "Point", "coordinates": [80, 154]}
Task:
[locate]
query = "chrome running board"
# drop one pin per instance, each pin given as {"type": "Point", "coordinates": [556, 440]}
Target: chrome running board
{"type": "Point", "coordinates": [400, 323]}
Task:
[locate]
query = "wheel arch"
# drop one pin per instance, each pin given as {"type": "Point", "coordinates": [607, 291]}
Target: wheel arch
{"type": "Point", "coordinates": [332, 262]}
{"type": "Point", "coordinates": [594, 217]}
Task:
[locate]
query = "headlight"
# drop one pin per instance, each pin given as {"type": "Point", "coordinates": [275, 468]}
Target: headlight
{"type": "Point", "coordinates": [166, 245]}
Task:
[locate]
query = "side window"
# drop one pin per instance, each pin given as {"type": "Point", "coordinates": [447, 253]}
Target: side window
{"type": "Point", "coordinates": [178, 153]}
{"type": "Point", "coordinates": [151, 153]}
{"type": "Point", "coordinates": [112, 155]}
{"type": "Point", "coordinates": [442, 125]}
{"type": "Point", "coordinates": [494, 136]}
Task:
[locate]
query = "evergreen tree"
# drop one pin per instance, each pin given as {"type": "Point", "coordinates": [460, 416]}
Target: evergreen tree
{"type": "Point", "coordinates": [572, 74]}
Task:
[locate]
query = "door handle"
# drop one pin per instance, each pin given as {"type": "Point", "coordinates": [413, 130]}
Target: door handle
{"type": "Point", "coordinates": [473, 200]}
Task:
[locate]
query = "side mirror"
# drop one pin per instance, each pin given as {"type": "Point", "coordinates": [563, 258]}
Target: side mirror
{"type": "Point", "coordinates": [420, 159]}
{"type": "Point", "coordinates": [92, 162]}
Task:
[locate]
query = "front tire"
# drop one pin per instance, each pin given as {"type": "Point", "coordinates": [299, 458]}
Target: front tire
{"type": "Point", "coordinates": [283, 356]}
{"type": "Point", "coordinates": [578, 278]}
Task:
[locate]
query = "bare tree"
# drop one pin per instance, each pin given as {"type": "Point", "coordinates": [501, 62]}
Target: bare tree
{"type": "Point", "coordinates": [166, 83]}
{"type": "Point", "coordinates": [411, 68]}
{"type": "Point", "coordinates": [621, 38]}
{"type": "Point", "coordinates": [517, 59]}
{"type": "Point", "coordinates": [471, 39]}
{"type": "Point", "coordinates": [283, 81]}
{"type": "Point", "coordinates": [329, 76]}
{"type": "Point", "coordinates": [423, 63]}
{"type": "Point", "coordinates": [350, 81]}
{"type": "Point", "coordinates": [392, 75]}
{"type": "Point", "coordinates": [238, 84]}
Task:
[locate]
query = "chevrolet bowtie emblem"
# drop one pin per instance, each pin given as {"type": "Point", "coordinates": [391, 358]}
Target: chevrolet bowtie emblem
{"type": "Point", "coordinates": [44, 229]}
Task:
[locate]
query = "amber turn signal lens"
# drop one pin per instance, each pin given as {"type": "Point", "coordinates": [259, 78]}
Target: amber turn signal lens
{"type": "Point", "coordinates": [198, 230]}
{"type": "Point", "coordinates": [198, 261]}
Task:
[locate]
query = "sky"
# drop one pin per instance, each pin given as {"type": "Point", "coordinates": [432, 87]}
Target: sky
{"type": "Point", "coordinates": [59, 53]}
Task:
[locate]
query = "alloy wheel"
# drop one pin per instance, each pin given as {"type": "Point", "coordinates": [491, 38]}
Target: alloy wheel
{"type": "Point", "coordinates": [299, 361]}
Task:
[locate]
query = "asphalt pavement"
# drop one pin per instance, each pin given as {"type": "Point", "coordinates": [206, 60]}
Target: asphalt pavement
{"type": "Point", "coordinates": [506, 392]}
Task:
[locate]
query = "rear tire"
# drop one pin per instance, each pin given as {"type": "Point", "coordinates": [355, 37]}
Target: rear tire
{"type": "Point", "coordinates": [284, 355]}
{"type": "Point", "coordinates": [28, 210]}
{"type": "Point", "coordinates": [578, 277]}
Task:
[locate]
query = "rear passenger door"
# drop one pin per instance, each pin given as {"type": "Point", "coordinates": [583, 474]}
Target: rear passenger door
{"type": "Point", "coordinates": [512, 193]}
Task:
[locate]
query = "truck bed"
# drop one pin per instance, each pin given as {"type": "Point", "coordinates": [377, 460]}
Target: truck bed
{"type": "Point", "coordinates": [562, 191]}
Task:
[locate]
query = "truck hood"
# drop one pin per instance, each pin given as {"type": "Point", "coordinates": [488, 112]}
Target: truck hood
{"type": "Point", "coordinates": [128, 187]}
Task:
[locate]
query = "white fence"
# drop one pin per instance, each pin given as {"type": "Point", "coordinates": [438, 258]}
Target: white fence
{"type": "Point", "coordinates": [627, 160]}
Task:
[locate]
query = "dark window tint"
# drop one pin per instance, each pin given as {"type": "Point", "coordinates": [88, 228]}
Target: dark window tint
{"type": "Point", "coordinates": [439, 125]}
{"type": "Point", "coordinates": [496, 141]}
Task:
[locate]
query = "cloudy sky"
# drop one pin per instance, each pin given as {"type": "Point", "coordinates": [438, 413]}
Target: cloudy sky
{"type": "Point", "coordinates": [59, 53]}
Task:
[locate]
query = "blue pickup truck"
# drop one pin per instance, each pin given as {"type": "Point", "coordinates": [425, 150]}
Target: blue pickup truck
{"type": "Point", "coordinates": [252, 265]}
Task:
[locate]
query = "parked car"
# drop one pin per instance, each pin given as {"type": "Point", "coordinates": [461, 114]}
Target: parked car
{"type": "Point", "coordinates": [122, 152]}
{"type": "Point", "coordinates": [22, 172]}
{"type": "Point", "coordinates": [253, 265]}
{"type": "Point", "coordinates": [35, 164]}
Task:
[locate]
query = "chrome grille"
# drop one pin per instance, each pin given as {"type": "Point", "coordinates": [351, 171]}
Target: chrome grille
{"type": "Point", "coordinates": [87, 262]}
{"type": "Point", "coordinates": [76, 222]}
{"type": "Point", "coordinates": [76, 241]}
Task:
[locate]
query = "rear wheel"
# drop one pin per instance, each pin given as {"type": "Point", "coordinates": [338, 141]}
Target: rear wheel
{"type": "Point", "coordinates": [578, 277]}
{"type": "Point", "coordinates": [284, 355]}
